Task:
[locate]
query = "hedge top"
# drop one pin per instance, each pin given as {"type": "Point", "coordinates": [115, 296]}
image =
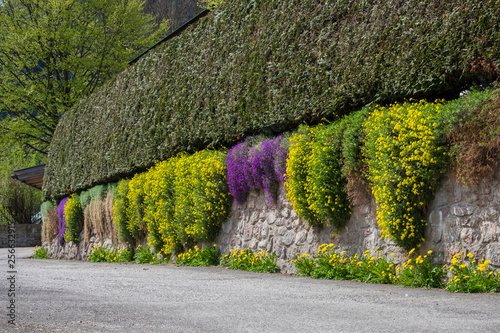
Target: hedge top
{"type": "Point", "coordinates": [265, 66]}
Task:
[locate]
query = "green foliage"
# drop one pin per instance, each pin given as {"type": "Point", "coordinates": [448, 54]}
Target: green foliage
{"type": "Point", "coordinates": [315, 182]}
{"type": "Point", "coordinates": [180, 202]}
{"type": "Point", "coordinates": [471, 276]}
{"type": "Point", "coordinates": [56, 52]}
{"type": "Point", "coordinates": [422, 272]}
{"type": "Point", "coordinates": [143, 255]}
{"type": "Point", "coordinates": [18, 202]}
{"type": "Point", "coordinates": [246, 260]}
{"type": "Point", "coordinates": [120, 211]}
{"type": "Point", "coordinates": [160, 207]}
{"type": "Point", "coordinates": [46, 206]}
{"type": "Point", "coordinates": [208, 256]}
{"type": "Point", "coordinates": [265, 67]}
{"type": "Point", "coordinates": [327, 264]}
{"type": "Point", "coordinates": [418, 271]}
{"type": "Point", "coordinates": [405, 156]}
{"type": "Point", "coordinates": [211, 4]}
{"type": "Point", "coordinates": [135, 208]}
{"type": "Point", "coordinates": [96, 192]}
{"type": "Point", "coordinates": [102, 254]}
{"type": "Point", "coordinates": [40, 253]}
{"type": "Point", "coordinates": [475, 138]}
{"type": "Point", "coordinates": [74, 219]}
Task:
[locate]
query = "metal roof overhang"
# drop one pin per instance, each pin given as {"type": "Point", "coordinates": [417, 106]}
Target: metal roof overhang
{"type": "Point", "coordinates": [32, 176]}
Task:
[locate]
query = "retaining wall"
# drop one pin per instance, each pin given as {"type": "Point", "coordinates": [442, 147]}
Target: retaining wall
{"type": "Point", "coordinates": [26, 235]}
{"type": "Point", "coordinates": [460, 218]}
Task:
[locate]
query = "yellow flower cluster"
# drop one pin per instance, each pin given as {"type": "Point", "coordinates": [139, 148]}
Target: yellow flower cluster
{"type": "Point", "coordinates": [135, 210]}
{"type": "Point", "coordinates": [74, 219]}
{"type": "Point", "coordinates": [179, 202]}
{"type": "Point", "coordinates": [247, 260]}
{"type": "Point", "coordinates": [315, 184]}
{"type": "Point", "coordinates": [404, 157]}
{"type": "Point", "coordinates": [326, 263]}
{"type": "Point", "coordinates": [470, 275]}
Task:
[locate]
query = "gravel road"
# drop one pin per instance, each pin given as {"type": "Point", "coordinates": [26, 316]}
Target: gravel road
{"type": "Point", "coordinates": [75, 296]}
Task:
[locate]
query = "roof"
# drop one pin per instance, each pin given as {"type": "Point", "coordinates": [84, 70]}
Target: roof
{"type": "Point", "coordinates": [32, 176]}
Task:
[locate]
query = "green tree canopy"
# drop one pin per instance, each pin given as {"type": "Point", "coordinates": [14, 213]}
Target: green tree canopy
{"type": "Point", "coordinates": [54, 52]}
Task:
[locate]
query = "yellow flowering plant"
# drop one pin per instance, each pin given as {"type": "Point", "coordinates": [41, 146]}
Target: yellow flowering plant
{"type": "Point", "coordinates": [315, 184]}
{"type": "Point", "coordinates": [472, 276]}
{"type": "Point", "coordinates": [326, 263]}
{"type": "Point", "coordinates": [208, 256]}
{"type": "Point", "coordinates": [74, 219]}
{"type": "Point", "coordinates": [246, 260]}
{"type": "Point", "coordinates": [99, 253]}
{"type": "Point", "coordinates": [40, 253]}
{"type": "Point", "coordinates": [135, 209]}
{"type": "Point", "coordinates": [120, 211]}
{"type": "Point", "coordinates": [420, 271]}
{"type": "Point", "coordinates": [178, 202]}
{"type": "Point", "coordinates": [405, 155]}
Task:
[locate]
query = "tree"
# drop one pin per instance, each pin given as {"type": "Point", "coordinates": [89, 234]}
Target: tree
{"type": "Point", "coordinates": [54, 52]}
{"type": "Point", "coordinates": [18, 202]}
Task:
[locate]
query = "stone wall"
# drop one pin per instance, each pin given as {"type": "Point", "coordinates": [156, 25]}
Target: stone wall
{"type": "Point", "coordinates": [460, 218]}
{"type": "Point", "coordinates": [26, 235]}
{"type": "Point", "coordinates": [81, 250]}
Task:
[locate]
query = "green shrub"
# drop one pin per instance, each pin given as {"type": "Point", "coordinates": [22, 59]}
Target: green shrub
{"type": "Point", "coordinates": [405, 156]}
{"type": "Point", "coordinates": [102, 254]}
{"type": "Point", "coordinates": [208, 256]}
{"type": "Point", "coordinates": [315, 184]}
{"type": "Point", "coordinates": [328, 264]}
{"type": "Point", "coordinates": [96, 192]}
{"type": "Point", "coordinates": [246, 260]}
{"type": "Point", "coordinates": [472, 276]}
{"type": "Point", "coordinates": [120, 211]}
{"type": "Point", "coordinates": [160, 207]}
{"type": "Point", "coordinates": [135, 207]}
{"type": "Point", "coordinates": [74, 219]}
{"type": "Point", "coordinates": [265, 67]}
{"type": "Point", "coordinates": [45, 207]}
{"type": "Point", "coordinates": [40, 253]}
{"type": "Point", "coordinates": [180, 202]}
{"type": "Point", "coordinates": [143, 255]}
{"type": "Point", "coordinates": [421, 272]}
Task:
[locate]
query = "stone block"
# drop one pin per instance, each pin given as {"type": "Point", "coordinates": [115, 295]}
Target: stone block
{"type": "Point", "coordinates": [312, 237]}
{"type": "Point", "coordinates": [264, 231]}
{"type": "Point", "coordinates": [281, 231]}
{"type": "Point", "coordinates": [301, 237]}
{"type": "Point", "coordinates": [227, 226]}
{"type": "Point", "coordinates": [461, 210]}
{"type": "Point", "coordinates": [280, 221]}
{"type": "Point", "coordinates": [469, 237]}
{"type": "Point", "coordinates": [289, 237]}
{"type": "Point", "coordinates": [247, 232]}
{"type": "Point", "coordinates": [490, 232]}
{"type": "Point", "coordinates": [493, 253]}
{"type": "Point", "coordinates": [271, 217]}
{"type": "Point", "coordinates": [285, 212]}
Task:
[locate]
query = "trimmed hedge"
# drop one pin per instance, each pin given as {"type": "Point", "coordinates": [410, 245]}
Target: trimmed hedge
{"type": "Point", "coordinates": [265, 66]}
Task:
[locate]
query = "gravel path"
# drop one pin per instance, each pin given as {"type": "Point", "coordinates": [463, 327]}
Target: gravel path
{"type": "Point", "coordinates": [75, 296]}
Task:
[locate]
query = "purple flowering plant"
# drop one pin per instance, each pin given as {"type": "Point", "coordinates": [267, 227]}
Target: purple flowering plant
{"type": "Point", "coordinates": [62, 219]}
{"type": "Point", "coordinates": [257, 163]}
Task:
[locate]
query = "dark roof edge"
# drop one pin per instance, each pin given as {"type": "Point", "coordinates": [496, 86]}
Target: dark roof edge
{"type": "Point", "coordinates": [24, 175]}
{"type": "Point", "coordinates": [174, 33]}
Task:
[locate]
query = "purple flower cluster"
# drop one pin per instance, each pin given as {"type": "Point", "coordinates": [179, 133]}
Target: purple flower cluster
{"type": "Point", "coordinates": [62, 219]}
{"type": "Point", "coordinates": [256, 163]}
